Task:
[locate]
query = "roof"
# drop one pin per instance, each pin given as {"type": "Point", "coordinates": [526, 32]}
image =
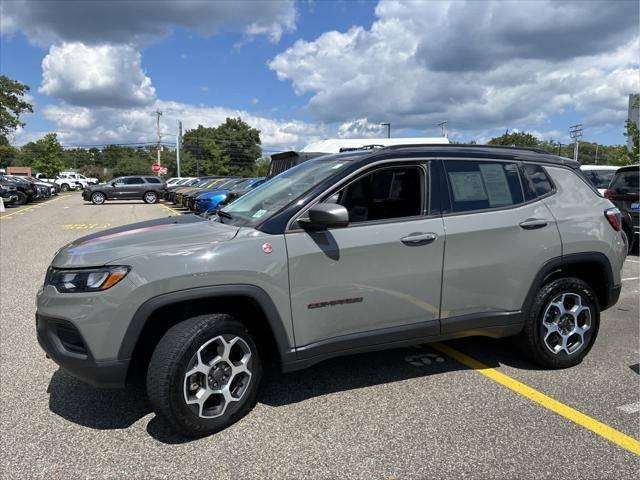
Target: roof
{"type": "Point", "coordinates": [334, 145]}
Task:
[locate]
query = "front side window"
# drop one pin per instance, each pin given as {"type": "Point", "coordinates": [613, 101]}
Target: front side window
{"type": "Point", "coordinates": [481, 185]}
{"type": "Point", "coordinates": [382, 195]}
{"type": "Point", "coordinates": [261, 203]}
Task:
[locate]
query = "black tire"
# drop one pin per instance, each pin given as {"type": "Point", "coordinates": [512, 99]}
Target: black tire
{"type": "Point", "coordinates": [173, 358]}
{"type": "Point", "coordinates": [22, 198]}
{"type": "Point", "coordinates": [150, 197]}
{"type": "Point", "coordinates": [533, 334]}
{"type": "Point", "coordinates": [629, 240]}
{"type": "Point", "coordinates": [65, 187]}
{"type": "Point", "coordinates": [98, 198]}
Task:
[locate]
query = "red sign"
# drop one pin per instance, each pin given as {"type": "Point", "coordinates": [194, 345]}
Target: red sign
{"type": "Point", "coordinates": [155, 167]}
{"type": "Point", "coordinates": [162, 171]}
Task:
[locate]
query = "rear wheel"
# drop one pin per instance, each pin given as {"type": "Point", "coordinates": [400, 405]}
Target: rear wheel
{"type": "Point", "coordinates": [65, 187]}
{"type": "Point", "coordinates": [150, 197]}
{"type": "Point", "coordinates": [22, 198]}
{"type": "Point", "coordinates": [98, 198]}
{"type": "Point", "coordinates": [204, 374]}
{"type": "Point", "coordinates": [562, 324]}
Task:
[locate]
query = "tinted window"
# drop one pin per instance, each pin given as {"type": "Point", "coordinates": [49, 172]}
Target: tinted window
{"type": "Point", "coordinates": [383, 194]}
{"type": "Point", "coordinates": [153, 180]}
{"type": "Point", "coordinates": [600, 178]}
{"type": "Point", "coordinates": [133, 180]}
{"type": "Point", "coordinates": [626, 182]}
{"type": "Point", "coordinates": [536, 181]}
{"type": "Point", "coordinates": [482, 185]}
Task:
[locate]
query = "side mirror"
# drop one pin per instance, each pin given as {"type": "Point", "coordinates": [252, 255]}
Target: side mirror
{"type": "Point", "coordinates": [326, 215]}
{"type": "Point", "coordinates": [113, 184]}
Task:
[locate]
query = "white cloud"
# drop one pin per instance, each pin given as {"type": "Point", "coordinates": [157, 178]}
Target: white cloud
{"type": "Point", "coordinates": [138, 22]}
{"type": "Point", "coordinates": [360, 128]}
{"type": "Point", "coordinates": [103, 125]}
{"type": "Point", "coordinates": [106, 75]}
{"type": "Point", "coordinates": [483, 66]}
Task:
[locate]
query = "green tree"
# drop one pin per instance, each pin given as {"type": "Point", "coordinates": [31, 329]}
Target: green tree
{"type": "Point", "coordinates": [518, 139]}
{"type": "Point", "coordinates": [632, 133]}
{"type": "Point", "coordinates": [12, 105]}
{"type": "Point", "coordinates": [262, 166]}
{"type": "Point", "coordinates": [241, 143]}
{"type": "Point", "coordinates": [49, 155]}
{"type": "Point", "coordinates": [8, 153]}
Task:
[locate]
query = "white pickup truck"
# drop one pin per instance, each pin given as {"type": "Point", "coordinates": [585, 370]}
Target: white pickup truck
{"type": "Point", "coordinates": [69, 180]}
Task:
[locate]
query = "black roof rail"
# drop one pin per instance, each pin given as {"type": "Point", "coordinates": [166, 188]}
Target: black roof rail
{"type": "Point", "coordinates": [466, 145]}
{"type": "Point", "coordinates": [364, 147]}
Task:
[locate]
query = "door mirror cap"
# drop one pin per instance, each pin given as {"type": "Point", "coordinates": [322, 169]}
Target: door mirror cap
{"type": "Point", "coordinates": [326, 215]}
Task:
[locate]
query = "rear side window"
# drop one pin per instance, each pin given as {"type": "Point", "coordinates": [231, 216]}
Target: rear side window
{"type": "Point", "coordinates": [153, 180]}
{"type": "Point", "coordinates": [133, 180]}
{"type": "Point", "coordinates": [536, 181]}
{"type": "Point", "coordinates": [477, 185]}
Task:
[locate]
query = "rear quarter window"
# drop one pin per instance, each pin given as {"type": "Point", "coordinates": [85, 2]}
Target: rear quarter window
{"type": "Point", "coordinates": [537, 182]}
{"type": "Point", "coordinates": [153, 180]}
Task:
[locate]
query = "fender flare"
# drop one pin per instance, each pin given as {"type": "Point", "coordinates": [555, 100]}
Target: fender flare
{"type": "Point", "coordinates": [144, 312]}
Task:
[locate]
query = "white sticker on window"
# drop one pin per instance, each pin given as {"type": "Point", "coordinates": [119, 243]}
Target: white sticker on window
{"type": "Point", "coordinates": [259, 213]}
{"type": "Point", "coordinates": [497, 185]}
{"type": "Point", "coordinates": [467, 186]}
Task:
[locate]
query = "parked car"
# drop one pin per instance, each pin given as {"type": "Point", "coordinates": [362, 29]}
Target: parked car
{"type": "Point", "coordinates": [171, 189]}
{"type": "Point", "coordinates": [348, 251]}
{"type": "Point", "coordinates": [53, 187]}
{"type": "Point", "coordinates": [8, 193]}
{"type": "Point", "coordinates": [25, 190]}
{"type": "Point", "coordinates": [137, 187]}
{"type": "Point", "coordinates": [206, 202]}
{"type": "Point", "coordinates": [624, 192]}
{"type": "Point", "coordinates": [599, 175]}
{"type": "Point", "coordinates": [205, 182]}
{"type": "Point", "coordinates": [224, 185]}
{"type": "Point", "coordinates": [65, 183]}
{"type": "Point", "coordinates": [81, 179]}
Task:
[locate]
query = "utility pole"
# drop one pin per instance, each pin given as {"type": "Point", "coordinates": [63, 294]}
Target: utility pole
{"type": "Point", "coordinates": [388, 125]}
{"type": "Point", "coordinates": [443, 126]}
{"type": "Point", "coordinates": [596, 153]}
{"type": "Point", "coordinates": [178, 142]}
{"type": "Point", "coordinates": [158, 114]}
{"type": "Point", "coordinates": [575, 132]}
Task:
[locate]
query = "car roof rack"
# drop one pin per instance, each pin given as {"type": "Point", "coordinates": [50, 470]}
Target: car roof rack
{"type": "Point", "coordinates": [466, 145]}
{"type": "Point", "coordinates": [364, 147]}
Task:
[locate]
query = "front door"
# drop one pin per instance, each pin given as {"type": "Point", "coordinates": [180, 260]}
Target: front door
{"type": "Point", "coordinates": [378, 277]}
{"type": "Point", "coordinates": [132, 189]}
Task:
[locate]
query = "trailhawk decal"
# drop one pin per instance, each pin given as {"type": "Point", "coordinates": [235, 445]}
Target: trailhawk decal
{"type": "Point", "coordinates": [333, 303]}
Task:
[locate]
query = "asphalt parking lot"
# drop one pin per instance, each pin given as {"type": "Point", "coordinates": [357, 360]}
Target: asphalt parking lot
{"type": "Point", "coordinates": [422, 412]}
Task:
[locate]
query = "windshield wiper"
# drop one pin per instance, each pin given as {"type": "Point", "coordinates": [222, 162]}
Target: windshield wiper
{"type": "Point", "coordinates": [224, 214]}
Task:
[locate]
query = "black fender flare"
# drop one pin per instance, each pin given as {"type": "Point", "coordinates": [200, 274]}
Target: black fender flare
{"type": "Point", "coordinates": [557, 264]}
{"type": "Point", "coordinates": [144, 312]}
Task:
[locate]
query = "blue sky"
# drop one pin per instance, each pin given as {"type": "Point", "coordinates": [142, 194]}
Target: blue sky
{"type": "Point", "coordinates": [301, 71]}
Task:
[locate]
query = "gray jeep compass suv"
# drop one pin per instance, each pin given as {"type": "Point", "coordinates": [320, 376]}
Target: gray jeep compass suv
{"type": "Point", "coordinates": [341, 254]}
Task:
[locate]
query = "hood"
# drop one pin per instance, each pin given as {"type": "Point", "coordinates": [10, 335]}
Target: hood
{"type": "Point", "coordinates": [215, 193]}
{"type": "Point", "coordinates": [141, 238]}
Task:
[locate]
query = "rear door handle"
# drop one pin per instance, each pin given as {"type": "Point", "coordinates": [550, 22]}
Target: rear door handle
{"type": "Point", "coordinates": [533, 223]}
{"type": "Point", "coordinates": [417, 239]}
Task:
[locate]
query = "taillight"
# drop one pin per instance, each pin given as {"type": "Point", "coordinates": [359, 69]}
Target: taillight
{"type": "Point", "coordinates": [614, 217]}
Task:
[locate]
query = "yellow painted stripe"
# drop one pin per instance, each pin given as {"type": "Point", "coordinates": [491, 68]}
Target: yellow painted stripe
{"type": "Point", "coordinates": [171, 209]}
{"type": "Point", "coordinates": [605, 431]}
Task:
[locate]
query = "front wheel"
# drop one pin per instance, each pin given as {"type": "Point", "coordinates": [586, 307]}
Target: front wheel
{"type": "Point", "coordinates": [562, 324]}
{"type": "Point", "coordinates": [98, 198]}
{"type": "Point", "coordinates": [150, 197]}
{"type": "Point", "coordinates": [65, 187]}
{"type": "Point", "coordinates": [22, 198]}
{"type": "Point", "coordinates": [204, 374]}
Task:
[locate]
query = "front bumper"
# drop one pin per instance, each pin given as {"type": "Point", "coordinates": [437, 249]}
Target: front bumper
{"type": "Point", "coordinates": [64, 344]}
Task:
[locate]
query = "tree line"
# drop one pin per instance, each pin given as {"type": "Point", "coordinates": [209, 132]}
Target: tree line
{"type": "Point", "coordinates": [232, 148]}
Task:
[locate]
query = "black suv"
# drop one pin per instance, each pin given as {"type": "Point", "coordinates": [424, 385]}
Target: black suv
{"type": "Point", "coordinates": [624, 192]}
{"type": "Point", "coordinates": [146, 188]}
{"type": "Point", "coordinates": [25, 190]}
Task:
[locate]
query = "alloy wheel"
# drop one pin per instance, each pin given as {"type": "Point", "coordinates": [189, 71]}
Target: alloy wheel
{"type": "Point", "coordinates": [567, 324]}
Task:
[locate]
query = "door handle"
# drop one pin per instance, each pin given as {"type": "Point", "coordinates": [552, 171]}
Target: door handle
{"type": "Point", "coordinates": [533, 223]}
{"type": "Point", "coordinates": [417, 239]}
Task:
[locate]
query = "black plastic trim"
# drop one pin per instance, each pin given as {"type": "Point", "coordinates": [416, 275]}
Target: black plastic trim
{"type": "Point", "coordinates": [145, 311]}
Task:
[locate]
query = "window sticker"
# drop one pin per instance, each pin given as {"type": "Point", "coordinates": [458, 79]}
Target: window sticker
{"type": "Point", "coordinates": [496, 183]}
{"type": "Point", "coordinates": [467, 186]}
{"type": "Point", "coordinates": [259, 213]}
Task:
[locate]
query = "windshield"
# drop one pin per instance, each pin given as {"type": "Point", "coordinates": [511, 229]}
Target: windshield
{"type": "Point", "coordinates": [264, 201]}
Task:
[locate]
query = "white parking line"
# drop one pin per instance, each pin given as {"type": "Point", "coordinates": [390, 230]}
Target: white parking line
{"type": "Point", "coordinates": [630, 408]}
{"type": "Point", "coordinates": [632, 261]}
{"type": "Point", "coordinates": [630, 278]}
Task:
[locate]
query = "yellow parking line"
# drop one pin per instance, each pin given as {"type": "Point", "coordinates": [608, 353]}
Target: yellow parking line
{"type": "Point", "coordinates": [605, 431]}
{"type": "Point", "coordinates": [171, 209]}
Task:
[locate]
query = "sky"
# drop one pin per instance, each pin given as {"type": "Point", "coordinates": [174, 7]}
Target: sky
{"type": "Point", "coordinates": [301, 71]}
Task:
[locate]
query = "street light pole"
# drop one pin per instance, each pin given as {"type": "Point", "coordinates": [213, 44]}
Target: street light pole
{"type": "Point", "coordinates": [388, 125]}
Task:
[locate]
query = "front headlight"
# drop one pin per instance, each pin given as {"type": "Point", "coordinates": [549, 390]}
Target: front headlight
{"type": "Point", "coordinates": [85, 280]}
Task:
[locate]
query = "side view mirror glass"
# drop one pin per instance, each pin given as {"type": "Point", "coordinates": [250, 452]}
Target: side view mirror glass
{"type": "Point", "coordinates": [326, 215]}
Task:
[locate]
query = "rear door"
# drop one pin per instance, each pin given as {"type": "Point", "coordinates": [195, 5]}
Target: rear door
{"type": "Point", "coordinates": [378, 279]}
{"type": "Point", "coordinates": [499, 235]}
